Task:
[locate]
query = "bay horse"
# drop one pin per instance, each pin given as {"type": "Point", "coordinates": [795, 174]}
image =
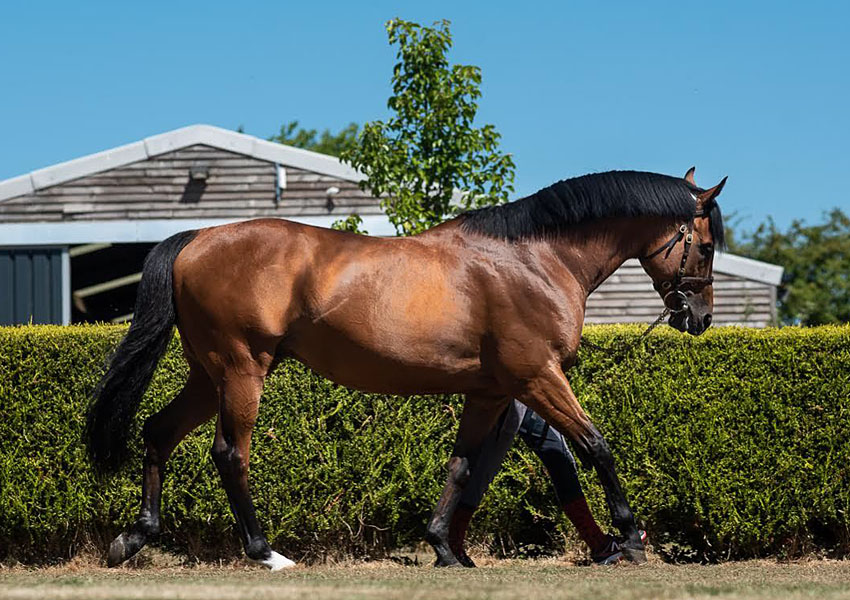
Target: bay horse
{"type": "Point", "coordinates": [489, 304]}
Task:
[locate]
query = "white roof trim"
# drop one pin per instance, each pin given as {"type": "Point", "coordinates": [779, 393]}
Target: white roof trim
{"type": "Point", "coordinates": [748, 268]}
{"type": "Point", "coordinates": [169, 142]}
{"type": "Point", "coordinates": [152, 230]}
{"type": "Point", "coordinates": [739, 266]}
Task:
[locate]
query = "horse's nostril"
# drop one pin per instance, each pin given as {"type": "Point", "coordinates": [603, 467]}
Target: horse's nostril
{"type": "Point", "coordinates": [707, 321]}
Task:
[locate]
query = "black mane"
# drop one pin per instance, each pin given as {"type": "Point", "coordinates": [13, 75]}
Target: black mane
{"type": "Point", "coordinates": [570, 202]}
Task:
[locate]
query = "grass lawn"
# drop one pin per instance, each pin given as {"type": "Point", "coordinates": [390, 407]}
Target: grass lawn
{"type": "Point", "coordinates": [497, 579]}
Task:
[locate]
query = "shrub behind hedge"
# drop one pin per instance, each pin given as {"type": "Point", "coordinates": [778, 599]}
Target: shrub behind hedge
{"type": "Point", "coordinates": [734, 444]}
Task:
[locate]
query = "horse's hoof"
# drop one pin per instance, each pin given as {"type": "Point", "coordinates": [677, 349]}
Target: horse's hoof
{"type": "Point", "coordinates": [445, 564]}
{"type": "Point", "coordinates": [446, 559]}
{"type": "Point", "coordinates": [634, 555]}
{"type": "Point", "coordinates": [123, 547]}
{"type": "Point", "coordinates": [277, 562]}
{"type": "Point", "coordinates": [465, 561]}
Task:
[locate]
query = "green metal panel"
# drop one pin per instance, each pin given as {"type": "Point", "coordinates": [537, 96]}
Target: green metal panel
{"type": "Point", "coordinates": [31, 285]}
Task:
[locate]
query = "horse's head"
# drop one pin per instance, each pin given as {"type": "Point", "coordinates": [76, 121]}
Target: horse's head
{"type": "Point", "coordinates": [681, 262]}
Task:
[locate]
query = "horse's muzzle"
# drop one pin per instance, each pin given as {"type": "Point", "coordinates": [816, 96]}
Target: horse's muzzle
{"type": "Point", "coordinates": [687, 321]}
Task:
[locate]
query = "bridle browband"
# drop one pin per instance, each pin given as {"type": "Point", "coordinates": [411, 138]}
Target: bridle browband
{"type": "Point", "coordinates": [675, 300]}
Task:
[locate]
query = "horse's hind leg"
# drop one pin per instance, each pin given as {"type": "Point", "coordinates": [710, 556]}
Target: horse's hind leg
{"type": "Point", "coordinates": [195, 404]}
{"type": "Point", "coordinates": [480, 415]}
{"type": "Point", "coordinates": [553, 399]}
{"type": "Point", "coordinates": [239, 401]}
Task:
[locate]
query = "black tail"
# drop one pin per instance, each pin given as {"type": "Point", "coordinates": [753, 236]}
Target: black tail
{"type": "Point", "coordinates": [117, 396]}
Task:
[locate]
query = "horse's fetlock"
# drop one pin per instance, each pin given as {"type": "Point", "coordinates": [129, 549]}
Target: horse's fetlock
{"type": "Point", "coordinates": [437, 531]}
{"type": "Point", "coordinates": [436, 537]}
{"type": "Point", "coordinates": [149, 526]}
{"type": "Point", "coordinates": [258, 549]}
{"type": "Point", "coordinates": [624, 523]}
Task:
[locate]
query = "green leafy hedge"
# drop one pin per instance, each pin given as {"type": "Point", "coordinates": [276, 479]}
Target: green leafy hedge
{"type": "Point", "coordinates": [734, 444]}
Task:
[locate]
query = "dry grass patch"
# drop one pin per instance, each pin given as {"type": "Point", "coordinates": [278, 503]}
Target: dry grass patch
{"type": "Point", "coordinates": [390, 580]}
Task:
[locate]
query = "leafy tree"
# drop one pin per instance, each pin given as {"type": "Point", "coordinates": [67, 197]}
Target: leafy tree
{"type": "Point", "coordinates": [310, 139]}
{"type": "Point", "coordinates": [428, 150]}
{"type": "Point", "coordinates": [352, 223]}
{"type": "Point", "coordinates": [816, 258]}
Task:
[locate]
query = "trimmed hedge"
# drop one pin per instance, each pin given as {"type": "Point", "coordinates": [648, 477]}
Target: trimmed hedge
{"type": "Point", "coordinates": [734, 444]}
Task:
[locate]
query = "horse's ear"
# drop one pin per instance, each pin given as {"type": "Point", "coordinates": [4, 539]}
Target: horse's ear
{"type": "Point", "coordinates": [708, 196]}
{"type": "Point", "coordinates": [689, 176]}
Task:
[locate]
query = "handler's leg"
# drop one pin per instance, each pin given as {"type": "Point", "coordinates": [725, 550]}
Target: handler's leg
{"type": "Point", "coordinates": [195, 404]}
{"type": "Point", "coordinates": [489, 459]}
{"type": "Point", "coordinates": [480, 415]}
{"type": "Point", "coordinates": [239, 402]}
{"type": "Point", "coordinates": [552, 450]}
{"type": "Point", "coordinates": [553, 398]}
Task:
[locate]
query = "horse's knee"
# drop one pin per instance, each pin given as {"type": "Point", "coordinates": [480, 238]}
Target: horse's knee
{"type": "Point", "coordinates": [227, 458]}
{"type": "Point", "coordinates": [150, 430]}
{"type": "Point", "coordinates": [156, 435]}
{"type": "Point", "coordinates": [591, 445]}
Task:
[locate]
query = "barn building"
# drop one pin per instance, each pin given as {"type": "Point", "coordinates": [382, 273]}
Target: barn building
{"type": "Point", "coordinates": [73, 236]}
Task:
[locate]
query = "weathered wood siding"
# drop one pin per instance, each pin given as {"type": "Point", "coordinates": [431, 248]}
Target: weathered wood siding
{"type": "Point", "coordinates": [160, 187]}
{"type": "Point", "coordinates": [306, 193]}
{"type": "Point", "coordinates": [627, 297]}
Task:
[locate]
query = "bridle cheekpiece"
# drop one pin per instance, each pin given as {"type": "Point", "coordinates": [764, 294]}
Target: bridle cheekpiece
{"type": "Point", "coordinates": [675, 299]}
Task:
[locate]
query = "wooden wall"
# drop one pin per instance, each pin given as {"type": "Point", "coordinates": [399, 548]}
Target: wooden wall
{"type": "Point", "coordinates": [159, 188]}
{"type": "Point", "coordinates": [627, 297]}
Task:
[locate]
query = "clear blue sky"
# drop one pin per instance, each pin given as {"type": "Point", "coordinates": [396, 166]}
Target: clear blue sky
{"type": "Point", "coordinates": [759, 91]}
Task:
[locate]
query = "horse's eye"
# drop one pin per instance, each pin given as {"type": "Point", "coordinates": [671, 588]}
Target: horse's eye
{"type": "Point", "coordinates": [707, 249]}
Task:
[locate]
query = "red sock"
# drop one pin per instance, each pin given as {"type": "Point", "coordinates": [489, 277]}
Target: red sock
{"type": "Point", "coordinates": [578, 512]}
{"type": "Point", "coordinates": [457, 528]}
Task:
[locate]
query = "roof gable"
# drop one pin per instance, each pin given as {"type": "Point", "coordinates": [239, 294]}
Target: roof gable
{"type": "Point", "coordinates": [163, 143]}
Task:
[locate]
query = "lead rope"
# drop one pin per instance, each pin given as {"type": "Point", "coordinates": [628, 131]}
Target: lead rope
{"type": "Point", "coordinates": [624, 348]}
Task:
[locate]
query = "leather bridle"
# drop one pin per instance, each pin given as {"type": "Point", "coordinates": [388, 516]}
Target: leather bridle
{"type": "Point", "coordinates": [675, 299]}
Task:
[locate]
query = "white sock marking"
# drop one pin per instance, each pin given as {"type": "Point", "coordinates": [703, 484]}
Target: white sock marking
{"type": "Point", "coordinates": [276, 562]}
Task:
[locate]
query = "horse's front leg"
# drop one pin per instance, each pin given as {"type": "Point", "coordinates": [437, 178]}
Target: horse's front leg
{"type": "Point", "coordinates": [552, 397]}
{"type": "Point", "coordinates": [480, 415]}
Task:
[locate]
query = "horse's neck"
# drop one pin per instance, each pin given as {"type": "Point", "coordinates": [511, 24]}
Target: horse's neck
{"type": "Point", "coordinates": [592, 252]}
